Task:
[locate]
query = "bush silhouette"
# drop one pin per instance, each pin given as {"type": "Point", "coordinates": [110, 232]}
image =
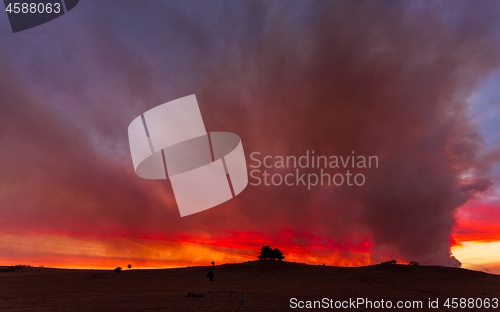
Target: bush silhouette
{"type": "Point", "coordinates": [413, 263]}
{"type": "Point", "coordinates": [210, 275]}
{"type": "Point", "coordinates": [14, 268]}
{"type": "Point", "coordinates": [267, 253]}
{"type": "Point", "coordinates": [118, 270]}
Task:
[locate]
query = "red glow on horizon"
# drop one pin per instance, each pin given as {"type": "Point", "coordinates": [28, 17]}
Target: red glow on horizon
{"type": "Point", "coordinates": [107, 252]}
{"type": "Point", "coordinates": [477, 224]}
{"type": "Point", "coordinates": [96, 251]}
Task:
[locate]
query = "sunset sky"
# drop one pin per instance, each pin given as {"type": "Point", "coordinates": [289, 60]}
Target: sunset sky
{"type": "Point", "coordinates": [414, 83]}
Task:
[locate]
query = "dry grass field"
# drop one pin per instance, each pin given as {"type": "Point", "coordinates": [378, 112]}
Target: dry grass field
{"type": "Point", "coordinates": [269, 285]}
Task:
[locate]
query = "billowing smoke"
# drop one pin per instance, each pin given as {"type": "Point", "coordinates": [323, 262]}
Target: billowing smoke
{"type": "Point", "coordinates": [385, 80]}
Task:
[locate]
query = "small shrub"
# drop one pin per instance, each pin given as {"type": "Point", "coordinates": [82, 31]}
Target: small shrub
{"type": "Point", "coordinates": [117, 270]}
{"type": "Point", "coordinates": [210, 275]}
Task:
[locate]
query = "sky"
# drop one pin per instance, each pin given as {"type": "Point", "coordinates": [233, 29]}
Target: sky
{"type": "Point", "coordinates": [413, 83]}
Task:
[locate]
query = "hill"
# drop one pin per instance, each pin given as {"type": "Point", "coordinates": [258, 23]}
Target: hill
{"type": "Point", "coordinates": [269, 286]}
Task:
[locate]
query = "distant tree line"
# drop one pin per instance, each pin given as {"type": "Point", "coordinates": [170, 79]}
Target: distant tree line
{"type": "Point", "coordinates": [395, 262]}
{"type": "Point", "coordinates": [14, 268]}
{"type": "Point", "coordinates": [267, 253]}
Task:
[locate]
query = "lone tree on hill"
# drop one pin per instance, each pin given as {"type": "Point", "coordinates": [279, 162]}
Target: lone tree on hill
{"type": "Point", "coordinates": [129, 266]}
{"type": "Point", "coordinates": [267, 253]}
{"type": "Point", "coordinates": [213, 263]}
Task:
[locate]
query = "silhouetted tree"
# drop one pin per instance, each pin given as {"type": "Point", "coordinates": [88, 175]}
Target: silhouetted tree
{"type": "Point", "coordinates": [393, 262]}
{"type": "Point", "coordinates": [129, 266]}
{"type": "Point", "coordinates": [213, 263]}
{"type": "Point", "coordinates": [118, 270]}
{"type": "Point", "coordinates": [277, 254]}
{"type": "Point", "coordinates": [266, 253]}
{"type": "Point", "coordinates": [210, 275]}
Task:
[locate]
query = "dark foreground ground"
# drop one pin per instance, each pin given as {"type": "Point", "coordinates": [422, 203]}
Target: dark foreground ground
{"type": "Point", "coordinates": [269, 285]}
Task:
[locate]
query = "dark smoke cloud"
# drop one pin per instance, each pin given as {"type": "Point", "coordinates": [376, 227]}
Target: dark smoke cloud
{"type": "Point", "coordinates": [390, 81]}
{"type": "Point", "coordinates": [378, 78]}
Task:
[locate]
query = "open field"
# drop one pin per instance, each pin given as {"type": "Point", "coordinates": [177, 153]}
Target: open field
{"type": "Point", "coordinates": [269, 285]}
